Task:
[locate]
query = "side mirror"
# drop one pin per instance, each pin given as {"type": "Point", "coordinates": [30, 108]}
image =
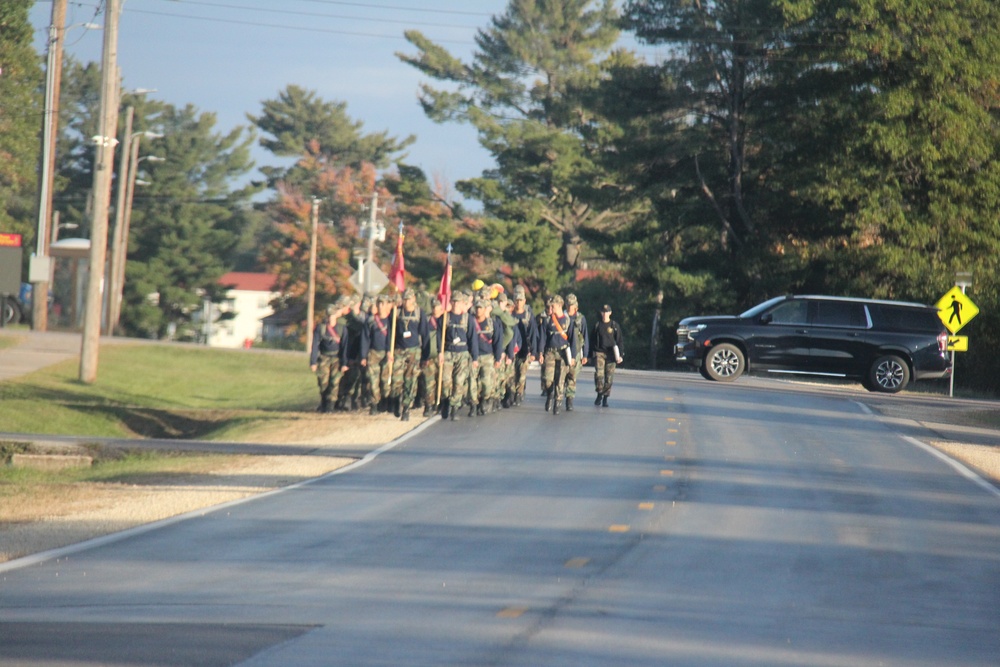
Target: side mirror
{"type": "Point", "coordinates": [766, 318]}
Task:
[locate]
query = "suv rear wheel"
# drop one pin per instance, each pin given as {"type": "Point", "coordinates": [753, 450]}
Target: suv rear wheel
{"type": "Point", "coordinates": [888, 374]}
{"type": "Point", "coordinates": [724, 363]}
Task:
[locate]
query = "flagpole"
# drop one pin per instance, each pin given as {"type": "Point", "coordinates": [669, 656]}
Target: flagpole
{"type": "Point", "coordinates": [395, 308]}
{"type": "Point", "coordinates": [442, 294]}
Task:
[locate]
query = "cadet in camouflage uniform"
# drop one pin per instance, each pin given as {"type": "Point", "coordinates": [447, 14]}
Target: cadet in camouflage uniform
{"type": "Point", "coordinates": [581, 347]}
{"type": "Point", "coordinates": [556, 342]}
{"type": "Point", "coordinates": [430, 372]}
{"type": "Point", "coordinates": [523, 357]}
{"type": "Point", "coordinates": [489, 344]}
{"type": "Point", "coordinates": [411, 335]}
{"type": "Point", "coordinates": [351, 394]}
{"type": "Point", "coordinates": [375, 339]}
{"type": "Point", "coordinates": [458, 353]}
{"type": "Point", "coordinates": [328, 357]}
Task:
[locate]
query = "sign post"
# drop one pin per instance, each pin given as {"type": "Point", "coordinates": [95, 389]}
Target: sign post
{"type": "Point", "coordinates": [956, 310]}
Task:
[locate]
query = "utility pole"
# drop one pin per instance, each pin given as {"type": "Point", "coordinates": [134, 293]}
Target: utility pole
{"type": "Point", "coordinates": [123, 178]}
{"type": "Point", "coordinates": [367, 277]}
{"type": "Point", "coordinates": [50, 133]}
{"type": "Point", "coordinates": [311, 295]}
{"type": "Point", "coordinates": [103, 159]}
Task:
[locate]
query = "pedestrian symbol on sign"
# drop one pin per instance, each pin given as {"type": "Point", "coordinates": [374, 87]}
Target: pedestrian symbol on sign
{"type": "Point", "coordinates": [956, 309]}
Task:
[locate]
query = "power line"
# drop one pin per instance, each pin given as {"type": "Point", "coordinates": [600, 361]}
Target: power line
{"type": "Point", "coordinates": [329, 31]}
{"type": "Point", "coordinates": [202, 3]}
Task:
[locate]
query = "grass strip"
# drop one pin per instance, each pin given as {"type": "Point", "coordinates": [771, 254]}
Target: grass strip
{"type": "Point", "coordinates": [160, 391]}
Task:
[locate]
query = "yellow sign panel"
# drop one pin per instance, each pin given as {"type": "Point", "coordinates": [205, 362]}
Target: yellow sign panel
{"type": "Point", "coordinates": [956, 309]}
{"type": "Point", "coordinates": [958, 343]}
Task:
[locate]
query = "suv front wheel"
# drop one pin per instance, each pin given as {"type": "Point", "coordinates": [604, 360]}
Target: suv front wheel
{"type": "Point", "coordinates": [724, 363]}
{"type": "Point", "coordinates": [888, 374]}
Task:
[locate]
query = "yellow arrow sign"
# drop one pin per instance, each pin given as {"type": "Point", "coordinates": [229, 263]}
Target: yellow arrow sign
{"type": "Point", "coordinates": [958, 343]}
{"type": "Point", "coordinates": [956, 309]}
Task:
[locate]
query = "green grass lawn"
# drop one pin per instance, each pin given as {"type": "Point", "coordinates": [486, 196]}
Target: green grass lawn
{"type": "Point", "coordinates": [160, 391]}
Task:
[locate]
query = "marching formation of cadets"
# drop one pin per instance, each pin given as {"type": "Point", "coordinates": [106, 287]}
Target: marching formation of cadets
{"type": "Point", "coordinates": [473, 353]}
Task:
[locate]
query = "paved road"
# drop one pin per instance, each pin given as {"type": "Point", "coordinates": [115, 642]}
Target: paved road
{"type": "Point", "coordinates": [691, 523]}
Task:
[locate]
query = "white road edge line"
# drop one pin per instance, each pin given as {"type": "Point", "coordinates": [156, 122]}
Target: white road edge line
{"type": "Point", "coordinates": [962, 469]}
{"type": "Point", "coordinates": [86, 545]}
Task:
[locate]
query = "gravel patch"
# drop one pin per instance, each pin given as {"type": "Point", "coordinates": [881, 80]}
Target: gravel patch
{"type": "Point", "coordinates": [94, 510]}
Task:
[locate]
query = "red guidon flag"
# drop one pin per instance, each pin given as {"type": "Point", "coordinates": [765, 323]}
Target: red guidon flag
{"type": "Point", "coordinates": [444, 292]}
{"type": "Point", "coordinates": [397, 275]}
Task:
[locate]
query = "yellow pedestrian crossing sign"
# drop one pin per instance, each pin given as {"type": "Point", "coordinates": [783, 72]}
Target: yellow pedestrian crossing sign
{"type": "Point", "coordinates": [956, 309]}
{"type": "Point", "coordinates": [958, 343]}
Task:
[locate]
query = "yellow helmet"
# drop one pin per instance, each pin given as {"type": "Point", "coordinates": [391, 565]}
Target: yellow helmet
{"type": "Point", "coordinates": [477, 285]}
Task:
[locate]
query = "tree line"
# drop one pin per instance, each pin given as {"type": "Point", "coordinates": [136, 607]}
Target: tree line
{"type": "Point", "coordinates": [770, 146]}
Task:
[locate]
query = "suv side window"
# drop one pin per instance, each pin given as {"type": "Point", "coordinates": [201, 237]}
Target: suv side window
{"type": "Point", "coordinates": [840, 314]}
{"type": "Point", "coordinates": [900, 318]}
{"type": "Point", "coordinates": [791, 312]}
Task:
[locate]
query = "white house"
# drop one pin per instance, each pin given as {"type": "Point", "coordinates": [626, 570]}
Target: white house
{"type": "Point", "coordinates": [247, 302]}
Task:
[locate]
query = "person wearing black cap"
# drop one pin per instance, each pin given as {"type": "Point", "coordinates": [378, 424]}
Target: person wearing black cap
{"type": "Point", "coordinates": [607, 348]}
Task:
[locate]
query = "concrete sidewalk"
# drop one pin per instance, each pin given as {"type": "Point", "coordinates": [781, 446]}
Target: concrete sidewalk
{"type": "Point", "coordinates": [35, 350]}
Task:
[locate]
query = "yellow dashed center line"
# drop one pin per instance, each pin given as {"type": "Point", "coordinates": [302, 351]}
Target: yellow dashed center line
{"type": "Point", "coordinates": [646, 506]}
{"type": "Point", "coordinates": [667, 473]}
{"type": "Point", "coordinates": [619, 528]}
{"type": "Point", "coordinates": [512, 612]}
{"type": "Point", "coordinates": [576, 562]}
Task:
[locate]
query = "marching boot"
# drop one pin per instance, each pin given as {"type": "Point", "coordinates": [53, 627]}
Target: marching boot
{"type": "Point", "coordinates": [373, 409]}
{"type": "Point", "coordinates": [555, 406]}
{"type": "Point", "coordinates": [322, 404]}
{"type": "Point", "coordinates": [569, 404]}
{"type": "Point", "coordinates": [404, 415]}
{"type": "Point", "coordinates": [354, 405]}
{"type": "Point", "coordinates": [396, 407]}
{"type": "Point", "coordinates": [604, 401]}
{"type": "Point", "coordinates": [597, 401]}
{"type": "Point", "coordinates": [453, 413]}
{"type": "Point", "coordinates": [481, 410]}
{"type": "Point", "coordinates": [427, 409]}
{"type": "Point", "coordinates": [472, 409]}
{"type": "Point", "coordinates": [548, 400]}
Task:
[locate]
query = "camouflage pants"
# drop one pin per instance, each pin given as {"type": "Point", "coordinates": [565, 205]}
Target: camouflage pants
{"type": "Point", "coordinates": [429, 374]}
{"type": "Point", "coordinates": [329, 376]}
{"type": "Point", "coordinates": [554, 370]}
{"type": "Point", "coordinates": [351, 387]}
{"type": "Point", "coordinates": [505, 379]}
{"type": "Point", "coordinates": [379, 376]}
{"type": "Point", "coordinates": [520, 381]}
{"type": "Point", "coordinates": [572, 373]}
{"type": "Point", "coordinates": [457, 367]}
{"type": "Point", "coordinates": [604, 373]}
{"type": "Point", "coordinates": [405, 369]}
{"type": "Point", "coordinates": [484, 381]}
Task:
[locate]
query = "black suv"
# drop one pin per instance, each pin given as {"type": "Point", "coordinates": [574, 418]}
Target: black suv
{"type": "Point", "coordinates": [885, 344]}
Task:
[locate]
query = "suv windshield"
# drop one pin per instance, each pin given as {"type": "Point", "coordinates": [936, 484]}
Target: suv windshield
{"type": "Point", "coordinates": [761, 307]}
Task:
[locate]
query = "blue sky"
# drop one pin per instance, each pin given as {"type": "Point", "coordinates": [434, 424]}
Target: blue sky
{"type": "Point", "coordinates": [227, 56]}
